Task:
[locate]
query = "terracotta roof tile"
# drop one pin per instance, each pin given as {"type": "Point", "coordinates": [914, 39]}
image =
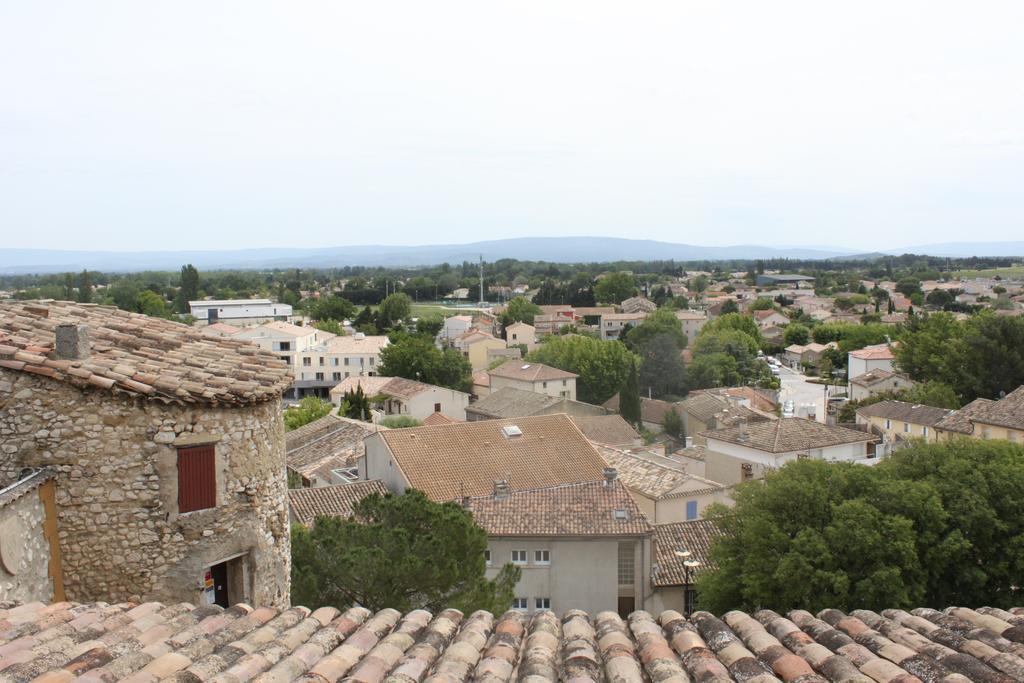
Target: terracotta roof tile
{"type": "Point", "coordinates": [905, 412]}
{"type": "Point", "coordinates": [330, 501]}
{"type": "Point", "coordinates": [695, 536]}
{"type": "Point", "coordinates": [329, 443]}
{"type": "Point", "coordinates": [610, 430]}
{"type": "Point", "coordinates": [530, 372]}
{"type": "Point", "coordinates": [788, 435]}
{"type": "Point", "coordinates": [140, 355]}
{"type": "Point", "coordinates": [653, 479]}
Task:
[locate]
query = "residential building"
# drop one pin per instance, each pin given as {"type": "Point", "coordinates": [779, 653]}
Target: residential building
{"type": "Point", "coordinates": [652, 411]}
{"type": "Point", "coordinates": [550, 323]}
{"type": "Point", "coordinates": [239, 312]}
{"type": "Point", "coordinates": [613, 323]}
{"type": "Point", "coordinates": [877, 357]}
{"type": "Point", "coordinates": [744, 452]}
{"type": "Point", "coordinates": [875, 382]}
{"type": "Point", "coordinates": [475, 346]}
{"type": "Point", "coordinates": [810, 354]}
{"type": "Point", "coordinates": [675, 583]}
{"type": "Point", "coordinates": [393, 396]}
{"type": "Point", "coordinates": [585, 543]}
{"type": "Point", "coordinates": [282, 339]}
{"type": "Point", "coordinates": [521, 333]}
{"type": "Point", "coordinates": [661, 486]}
{"type": "Point", "coordinates": [987, 419]}
{"type": "Point", "coordinates": [899, 421]}
{"type": "Point", "coordinates": [535, 377]}
{"type": "Point", "coordinates": [608, 430]}
{"type": "Point", "coordinates": [306, 504]}
{"type": "Point", "coordinates": [905, 644]}
{"type": "Point", "coordinates": [30, 559]}
{"type": "Point", "coordinates": [454, 327]}
{"type": "Point", "coordinates": [703, 411]}
{"type": "Point", "coordinates": [638, 304]}
{"type": "Point", "coordinates": [320, 368]}
{"type": "Point", "coordinates": [481, 384]}
{"type": "Point", "coordinates": [437, 420]}
{"type": "Point", "coordinates": [770, 318]}
{"type": "Point", "coordinates": [465, 459]}
{"type": "Point", "coordinates": [509, 402]}
{"type": "Point", "coordinates": [167, 451]}
{"type": "Point", "coordinates": [692, 322]}
{"type": "Point", "coordinates": [774, 335]}
{"type": "Point", "coordinates": [220, 330]}
{"type": "Point", "coordinates": [327, 451]}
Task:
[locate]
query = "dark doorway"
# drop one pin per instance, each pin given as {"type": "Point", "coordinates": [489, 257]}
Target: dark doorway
{"type": "Point", "coordinates": [626, 606]}
{"type": "Point", "coordinates": [220, 584]}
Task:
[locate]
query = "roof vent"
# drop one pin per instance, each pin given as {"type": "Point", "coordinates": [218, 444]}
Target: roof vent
{"type": "Point", "coordinates": [72, 342]}
{"type": "Point", "coordinates": [620, 514]}
{"type": "Point", "coordinates": [511, 431]}
{"type": "Point", "coordinates": [501, 489]}
{"type": "Point", "coordinates": [610, 475]}
{"type": "Point", "coordinates": [526, 367]}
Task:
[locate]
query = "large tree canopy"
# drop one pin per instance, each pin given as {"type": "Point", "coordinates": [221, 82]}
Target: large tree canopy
{"type": "Point", "coordinates": [614, 288]}
{"type": "Point", "coordinates": [602, 366]}
{"type": "Point", "coordinates": [414, 356]}
{"type": "Point", "coordinates": [935, 524]}
{"type": "Point", "coordinates": [399, 551]}
{"type": "Point", "coordinates": [660, 322]}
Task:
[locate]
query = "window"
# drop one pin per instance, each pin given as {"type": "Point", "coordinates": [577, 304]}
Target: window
{"type": "Point", "coordinates": [319, 377]}
{"type": "Point", "coordinates": [518, 557]}
{"type": "Point", "coordinates": [542, 603]}
{"type": "Point", "coordinates": [346, 360]}
{"type": "Point", "coordinates": [563, 394]}
{"type": "Point", "coordinates": [691, 509]}
{"type": "Point", "coordinates": [542, 557]}
{"type": "Point", "coordinates": [321, 361]}
{"type": "Point", "coordinates": [545, 385]}
{"type": "Point", "coordinates": [286, 359]}
{"type": "Point", "coordinates": [437, 407]}
{"type": "Point", "coordinates": [906, 426]}
{"type": "Point", "coordinates": [336, 376]}
{"type": "Point", "coordinates": [285, 346]}
{"type": "Point", "coordinates": [513, 336]}
{"type": "Point", "coordinates": [888, 424]}
{"type": "Point", "coordinates": [334, 362]}
{"type": "Point", "coordinates": [306, 361]}
{"type": "Point", "coordinates": [626, 563]}
{"type": "Point", "coordinates": [924, 431]}
{"type": "Point", "coordinates": [197, 478]}
{"type": "Point", "coordinates": [520, 603]}
{"type": "Point", "coordinates": [372, 359]}
{"type": "Point", "coordinates": [487, 557]}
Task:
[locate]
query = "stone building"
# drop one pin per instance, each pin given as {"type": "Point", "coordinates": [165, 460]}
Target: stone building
{"type": "Point", "coordinates": [166, 448]}
{"type": "Point", "coordinates": [29, 554]}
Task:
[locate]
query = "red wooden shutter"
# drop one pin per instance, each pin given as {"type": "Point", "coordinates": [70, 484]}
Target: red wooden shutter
{"type": "Point", "coordinates": [197, 478]}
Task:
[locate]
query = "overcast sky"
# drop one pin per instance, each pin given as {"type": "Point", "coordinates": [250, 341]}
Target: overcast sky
{"type": "Point", "coordinates": [169, 125]}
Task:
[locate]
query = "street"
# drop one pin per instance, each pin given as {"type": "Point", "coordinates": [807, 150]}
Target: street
{"type": "Point", "coordinates": [808, 397]}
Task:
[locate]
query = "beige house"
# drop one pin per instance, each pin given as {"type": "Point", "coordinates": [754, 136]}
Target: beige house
{"type": "Point", "coordinates": [392, 396]}
{"type": "Point", "coordinates": [320, 368]}
{"type": "Point", "coordinates": [282, 339]}
{"type": "Point", "coordinates": [702, 411]}
{"type": "Point", "coordinates": [878, 357]}
{"type": "Point", "coordinates": [692, 322]}
{"type": "Point", "coordinates": [613, 323]}
{"type": "Point", "coordinates": [770, 318]}
{"type": "Point", "coordinates": [878, 382]}
{"type": "Point", "coordinates": [638, 304]}
{"type": "Point", "coordinates": [535, 377]}
{"type": "Point", "coordinates": [987, 419]}
{"type": "Point", "coordinates": [474, 345]}
{"type": "Point", "coordinates": [509, 402]}
{"type": "Point", "coordinates": [899, 421]}
{"type": "Point", "coordinates": [661, 486]}
{"type": "Point", "coordinates": [536, 484]}
{"type": "Point", "coordinates": [167, 448]}
{"type": "Point", "coordinates": [745, 452]}
{"type": "Point", "coordinates": [521, 333]}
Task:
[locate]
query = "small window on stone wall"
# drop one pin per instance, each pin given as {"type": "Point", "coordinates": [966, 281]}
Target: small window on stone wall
{"type": "Point", "coordinates": [197, 478]}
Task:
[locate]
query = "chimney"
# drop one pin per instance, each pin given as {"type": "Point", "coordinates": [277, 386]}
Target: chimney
{"type": "Point", "coordinates": [501, 489]}
{"type": "Point", "coordinates": [72, 342]}
{"type": "Point", "coordinates": [610, 475]}
{"type": "Point", "coordinates": [743, 429]}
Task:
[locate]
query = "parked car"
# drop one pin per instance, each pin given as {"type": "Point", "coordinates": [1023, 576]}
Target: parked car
{"type": "Point", "coordinates": [788, 409]}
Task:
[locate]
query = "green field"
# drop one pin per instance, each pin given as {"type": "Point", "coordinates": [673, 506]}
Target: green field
{"type": "Point", "coordinates": [420, 310]}
{"type": "Point", "coordinates": [1013, 272]}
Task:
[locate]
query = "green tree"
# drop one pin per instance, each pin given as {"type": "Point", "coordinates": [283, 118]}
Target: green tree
{"type": "Point", "coordinates": [394, 309]}
{"type": "Point", "coordinates": [931, 393]}
{"type": "Point", "coordinates": [69, 288]}
{"type": "Point", "coordinates": [762, 304]}
{"type": "Point", "coordinates": [659, 323]}
{"type": "Point", "coordinates": [414, 356]}
{"type": "Point", "coordinates": [797, 334]}
{"type": "Point", "coordinates": [399, 551]}
{"type": "Point", "coordinates": [335, 308]}
{"type": "Point", "coordinates": [733, 321]}
{"type": "Point", "coordinates": [84, 288]}
{"type": "Point", "coordinates": [429, 325]}
{"type": "Point", "coordinates": [152, 304]}
{"type": "Point", "coordinates": [629, 399]}
{"type": "Point", "coordinates": [602, 366]}
{"type": "Point", "coordinates": [308, 409]}
{"type": "Point", "coordinates": [188, 289]}
{"type": "Point", "coordinates": [355, 404]}
{"type": "Point", "coordinates": [710, 370]}
{"type": "Point", "coordinates": [730, 307]}
{"type": "Point", "coordinates": [332, 326]}
{"type": "Point", "coordinates": [614, 288]}
{"type": "Point", "coordinates": [521, 310]}
{"type": "Point", "coordinates": [673, 424]}
{"type": "Point", "coordinates": [400, 422]}
{"type": "Point", "coordinates": [661, 367]}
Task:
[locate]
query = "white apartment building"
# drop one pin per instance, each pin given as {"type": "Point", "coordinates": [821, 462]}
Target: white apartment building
{"type": "Point", "coordinates": [239, 312]}
{"type": "Point", "coordinates": [612, 324]}
{"type": "Point", "coordinates": [321, 367]}
{"type": "Point", "coordinates": [283, 339]}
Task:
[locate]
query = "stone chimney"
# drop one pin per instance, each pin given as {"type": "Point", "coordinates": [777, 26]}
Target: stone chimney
{"type": "Point", "coordinates": [610, 475]}
{"type": "Point", "coordinates": [72, 342]}
{"type": "Point", "coordinates": [501, 489]}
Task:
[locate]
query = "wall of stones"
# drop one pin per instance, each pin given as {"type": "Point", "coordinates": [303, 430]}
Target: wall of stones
{"type": "Point", "coordinates": [121, 535]}
{"type": "Point", "coordinates": [23, 548]}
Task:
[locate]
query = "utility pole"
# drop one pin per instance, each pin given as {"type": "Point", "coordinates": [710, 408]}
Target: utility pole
{"type": "Point", "coordinates": [481, 279]}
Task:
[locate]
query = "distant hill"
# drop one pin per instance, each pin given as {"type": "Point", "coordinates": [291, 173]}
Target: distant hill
{"type": "Point", "coordinates": [555, 249]}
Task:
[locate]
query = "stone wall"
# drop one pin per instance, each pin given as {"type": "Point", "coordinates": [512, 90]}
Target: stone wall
{"type": "Point", "coordinates": [121, 536]}
{"type": "Point", "coordinates": [24, 550]}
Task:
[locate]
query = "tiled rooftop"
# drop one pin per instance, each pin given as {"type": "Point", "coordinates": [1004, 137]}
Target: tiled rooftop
{"type": "Point", "coordinates": [464, 459]}
{"type": "Point", "coordinates": [145, 643]}
{"type": "Point", "coordinates": [330, 501]}
{"type": "Point", "coordinates": [511, 402]}
{"type": "Point", "coordinates": [530, 372]}
{"type": "Point", "coordinates": [656, 480]}
{"type": "Point", "coordinates": [914, 413]}
{"type": "Point", "coordinates": [695, 536]}
{"type": "Point", "coordinates": [960, 420]}
{"type": "Point", "coordinates": [437, 419]}
{"type": "Point", "coordinates": [581, 509]}
{"type": "Point", "coordinates": [606, 429]}
{"type": "Point", "coordinates": [788, 435]}
{"type": "Point", "coordinates": [326, 444]}
{"type": "Point", "coordinates": [872, 377]}
{"type": "Point", "coordinates": [139, 355]}
{"type": "Point", "coordinates": [1006, 412]}
{"type": "Point", "coordinates": [707, 406]}
{"type": "Point", "coordinates": [877, 352]}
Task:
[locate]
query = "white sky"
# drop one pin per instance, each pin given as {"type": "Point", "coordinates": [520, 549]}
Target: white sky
{"type": "Point", "coordinates": [159, 125]}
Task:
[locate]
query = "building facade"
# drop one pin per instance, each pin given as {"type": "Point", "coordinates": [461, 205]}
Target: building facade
{"type": "Point", "coordinates": [241, 312]}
